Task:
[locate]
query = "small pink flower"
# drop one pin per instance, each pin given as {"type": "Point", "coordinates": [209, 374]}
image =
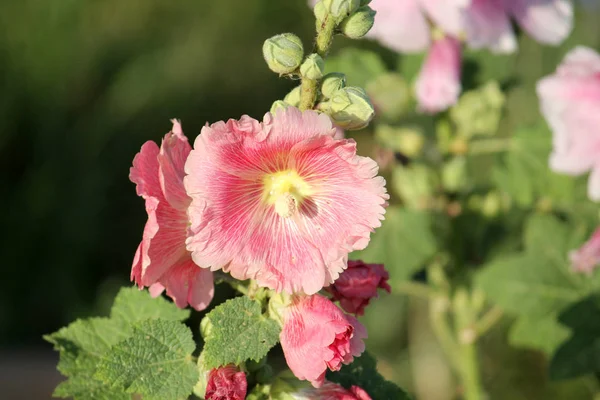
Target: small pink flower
{"type": "Point", "coordinates": [161, 260]}
{"type": "Point", "coordinates": [587, 257]}
{"type": "Point", "coordinates": [317, 335]}
{"type": "Point", "coordinates": [438, 84]}
{"type": "Point", "coordinates": [282, 202]}
{"type": "Point", "coordinates": [570, 101]}
{"type": "Point", "coordinates": [331, 391]}
{"type": "Point", "coordinates": [226, 383]}
{"type": "Point", "coordinates": [357, 285]}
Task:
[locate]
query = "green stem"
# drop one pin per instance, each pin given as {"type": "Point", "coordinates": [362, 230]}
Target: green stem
{"type": "Point", "coordinates": [415, 289]}
{"type": "Point", "coordinates": [469, 371]}
{"type": "Point", "coordinates": [309, 87]}
{"type": "Point", "coordinates": [489, 319]}
{"type": "Point", "coordinates": [438, 307]}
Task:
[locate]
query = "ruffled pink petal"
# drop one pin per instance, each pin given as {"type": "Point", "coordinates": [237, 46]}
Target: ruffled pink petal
{"type": "Point", "coordinates": [487, 26]}
{"type": "Point", "coordinates": [186, 283]}
{"type": "Point", "coordinates": [173, 153]}
{"type": "Point", "coordinates": [447, 14]}
{"type": "Point", "coordinates": [144, 172]}
{"type": "Point", "coordinates": [316, 336]}
{"type": "Point", "coordinates": [156, 289]}
{"type": "Point", "coordinates": [232, 226]}
{"type": "Point", "coordinates": [548, 21]}
{"type": "Point", "coordinates": [438, 84]}
{"type": "Point", "coordinates": [400, 25]}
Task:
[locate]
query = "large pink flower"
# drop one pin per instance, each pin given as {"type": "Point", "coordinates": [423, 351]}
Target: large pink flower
{"type": "Point", "coordinates": [161, 260]}
{"type": "Point", "coordinates": [587, 258]}
{"type": "Point", "coordinates": [438, 84]}
{"type": "Point", "coordinates": [281, 201]}
{"type": "Point", "coordinates": [226, 383]}
{"type": "Point", "coordinates": [570, 101]}
{"type": "Point", "coordinates": [317, 335]}
{"type": "Point", "coordinates": [357, 285]}
{"type": "Point", "coordinates": [330, 391]}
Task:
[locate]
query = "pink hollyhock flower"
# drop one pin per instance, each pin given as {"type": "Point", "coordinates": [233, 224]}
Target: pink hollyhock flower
{"type": "Point", "coordinates": [161, 260]}
{"type": "Point", "coordinates": [587, 257]}
{"type": "Point", "coordinates": [357, 285]}
{"type": "Point", "coordinates": [486, 23]}
{"type": "Point", "coordinates": [399, 25]}
{"type": "Point", "coordinates": [226, 383]}
{"type": "Point", "coordinates": [570, 101]}
{"type": "Point", "coordinates": [282, 202]}
{"type": "Point", "coordinates": [317, 335]}
{"type": "Point", "coordinates": [331, 391]}
{"type": "Point", "coordinates": [438, 84]}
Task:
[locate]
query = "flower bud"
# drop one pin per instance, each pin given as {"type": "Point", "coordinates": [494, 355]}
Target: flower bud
{"type": "Point", "coordinates": [226, 382]}
{"type": "Point", "coordinates": [206, 327]}
{"type": "Point", "coordinates": [293, 97]}
{"type": "Point", "coordinates": [312, 67]}
{"type": "Point", "coordinates": [454, 174]}
{"type": "Point", "coordinates": [340, 9]}
{"type": "Point", "coordinates": [320, 13]}
{"type": "Point", "coordinates": [331, 83]}
{"type": "Point", "coordinates": [358, 24]}
{"type": "Point", "coordinates": [278, 104]}
{"type": "Point", "coordinates": [349, 108]}
{"type": "Point", "coordinates": [283, 53]}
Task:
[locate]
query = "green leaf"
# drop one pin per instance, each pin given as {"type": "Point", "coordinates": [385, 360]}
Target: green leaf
{"type": "Point", "coordinates": [81, 346]}
{"type": "Point", "coordinates": [537, 282]}
{"type": "Point", "coordinates": [403, 243]}
{"type": "Point", "coordinates": [133, 305]}
{"type": "Point", "coordinates": [239, 332]}
{"type": "Point", "coordinates": [156, 361]}
{"type": "Point", "coordinates": [541, 333]}
{"type": "Point", "coordinates": [363, 372]}
{"type": "Point", "coordinates": [580, 354]}
{"type": "Point", "coordinates": [359, 66]}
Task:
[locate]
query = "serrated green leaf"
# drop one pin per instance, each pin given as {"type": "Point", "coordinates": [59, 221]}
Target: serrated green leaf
{"type": "Point", "coordinates": [403, 243]}
{"type": "Point", "coordinates": [363, 372]}
{"type": "Point", "coordinates": [156, 361]}
{"type": "Point", "coordinates": [240, 332]}
{"type": "Point", "coordinates": [580, 354]}
{"type": "Point", "coordinates": [359, 66]}
{"type": "Point", "coordinates": [537, 282]}
{"type": "Point", "coordinates": [543, 333]}
{"type": "Point", "coordinates": [133, 305]}
{"type": "Point", "coordinates": [81, 346]}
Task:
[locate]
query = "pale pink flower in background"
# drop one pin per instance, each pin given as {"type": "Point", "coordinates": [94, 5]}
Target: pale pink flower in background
{"type": "Point", "coordinates": [399, 25]}
{"type": "Point", "coordinates": [317, 335]}
{"type": "Point", "coordinates": [547, 21]}
{"type": "Point", "coordinates": [438, 84]}
{"type": "Point", "coordinates": [281, 201]}
{"type": "Point", "coordinates": [587, 258]}
{"type": "Point", "coordinates": [358, 284]}
{"type": "Point", "coordinates": [161, 260]}
{"type": "Point", "coordinates": [570, 101]}
{"type": "Point", "coordinates": [330, 391]}
{"type": "Point", "coordinates": [226, 383]}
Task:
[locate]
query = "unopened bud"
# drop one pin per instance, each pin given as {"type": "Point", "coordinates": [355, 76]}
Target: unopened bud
{"type": "Point", "coordinates": [454, 174]}
{"type": "Point", "coordinates": [340, 9]}
{"type": "Point", "coordinates": [331, 83]}
{"type": "Point", "coordinates": [278, 105]}
{"type": "Point", "coordinates": [293, 97]}
{"type": "Point", "coordinates": [283, 53]}
{"type": "Point", "coordinates": [350, 108]}
{"type": "Point", "coordinates": [206, 327]}
{"type": "Point", "coordinates": [358, 24]}
{"type": "Point", "coordinates": [312, 67]}
{"type": "Point", "coordinates": [320, 13]}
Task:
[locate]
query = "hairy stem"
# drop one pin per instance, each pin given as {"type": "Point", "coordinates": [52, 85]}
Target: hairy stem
{"type": "Point", "coordinates": [309, 87]}
{"type": "Point", "coordinates": [487, 146]}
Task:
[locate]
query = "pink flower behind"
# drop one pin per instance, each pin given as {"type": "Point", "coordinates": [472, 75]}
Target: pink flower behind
{"type": "Point", "coordinates": [317, 335]}
{"type": "Point", "coordinates": [570, 101]}
{"type": "Point", "coordinates": [438, 84]}
{"type": "Point", "coordinates": [358, 284]}
{"type": "Point", "coordinates": [281, 201]}
{"type": "Point", "coordinates": [331, 391]}
{"type": "Point", "coordinates": [226, 383]}
{"type": "Point", "coordinates": [161, 260]}
{"type": "Point", "coordinates": [587, 258]}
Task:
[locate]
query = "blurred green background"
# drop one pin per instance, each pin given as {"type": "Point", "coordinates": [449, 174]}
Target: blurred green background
{"type": "Point", "coordinates": [83, 84]}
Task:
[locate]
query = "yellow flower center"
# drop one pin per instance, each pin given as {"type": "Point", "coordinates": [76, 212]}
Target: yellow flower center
{"type": "Point", "coordinates": [285, 190]}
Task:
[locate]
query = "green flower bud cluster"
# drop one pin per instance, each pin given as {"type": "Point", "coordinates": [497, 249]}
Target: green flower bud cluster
{"type": "Point", "coordinates": [312, 67]}
{"type": "Point", "coordinates": [349, 108]}
{"type": "Point", "coordinates": [353, 18]}
{"type": "Point", "coordinates": [478, 112]}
